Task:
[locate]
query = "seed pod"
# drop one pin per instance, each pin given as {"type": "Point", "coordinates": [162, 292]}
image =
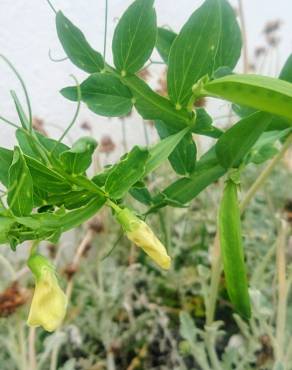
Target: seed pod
{"type": "Point", "coordinates": [232, 250]}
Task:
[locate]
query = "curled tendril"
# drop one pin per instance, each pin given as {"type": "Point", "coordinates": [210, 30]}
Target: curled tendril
{"type": "Point", "coordinates": [52, 6]}
{"type": "Point", "coordinates": [56, 60]}
{"type": "Point", "coordinates": [20, 79]}
{"type": "Point", "coordinates": [75, 115]}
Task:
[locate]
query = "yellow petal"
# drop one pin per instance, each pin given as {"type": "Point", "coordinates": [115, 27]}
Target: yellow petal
{"type": "Point", "coordinates": [144, 237]}
{"type": "Point", "coordinates": [48, 307]}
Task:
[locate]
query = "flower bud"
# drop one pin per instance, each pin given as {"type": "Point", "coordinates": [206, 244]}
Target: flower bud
{"type": "Point", "coordinates": [48, 306]}
{"type": "Point", "coordinates": [141, 234]}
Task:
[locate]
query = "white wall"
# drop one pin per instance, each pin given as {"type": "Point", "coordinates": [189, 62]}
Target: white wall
{"type": "Point", "coordinates": [27, 32]}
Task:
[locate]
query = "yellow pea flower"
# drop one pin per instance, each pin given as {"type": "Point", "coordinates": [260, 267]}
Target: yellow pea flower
{"type": "Point", "coordinates": [142, 235]}
{"type": "Point", "coordinates": [49, 303]}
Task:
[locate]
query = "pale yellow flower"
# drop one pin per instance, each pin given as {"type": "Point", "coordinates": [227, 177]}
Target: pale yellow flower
{"type": "Point", "coordinates": [142, 235]}
{"type": "Point", "coordinates": [48, 306]}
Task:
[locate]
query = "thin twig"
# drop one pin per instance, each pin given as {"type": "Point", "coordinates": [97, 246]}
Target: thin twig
{"type": "Point", "coordinates": [244, 37]}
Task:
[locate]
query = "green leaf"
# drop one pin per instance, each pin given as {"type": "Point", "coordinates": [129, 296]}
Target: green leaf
{"type": "Point", "coordinates": [6, 157]}
{"type": "Point", "coordinates": [152, 106]}
{"type": "Point", "coordinates": [236, 142]}
{"type": "Point", "coordinates": [182, 191]}
{"type": "Point", "coordinates": [71, 200]}
{"type": "Point", "coordinates": [45, 178]}
{"type": "Point", "coordinates": [263, 93]}
{"type": "Point", "coordinates": [5, 225]}
{"type": "Point", "coordinates": [229, 47]}
{"type": "Point", "coordinates": [203, 125]}
{"type": "Point", "coordinates": [286, 72]}
{"type": "Point", "coordinates": [232, 250]}
{"type": "Point", "coordinates": [230, 43]}
{"type": "Point", "coordinates": [183, 157]}
{"type": "Point", "coordinates": [76, 47]}
{"type": "Point", "coordinates": [141, 194]}
{"type": "Point", "coordinates": [165, 39]}
{"type": "Point", "coordinates": [134, 37]}
{"type": "Point", "coordinates": [193, 52]}
{"type": "Point", "coordinates": [104, 94]}
{"type": "Point", "coordinates": [126, 173]}
{"type": "Point", "coordinates": [78, 159]}
{"type": "Point", "coordinates": [161, 151]}
{"type": "Point", "coordinates": [264, 148]}
{"type": "Point", "coordinates": [20, 189]}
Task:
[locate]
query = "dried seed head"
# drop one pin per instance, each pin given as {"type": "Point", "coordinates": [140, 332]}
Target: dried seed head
{"type": "Point", "coordinates": [106, 145]}
{"type": "Point", "coordinates": [12, 298]}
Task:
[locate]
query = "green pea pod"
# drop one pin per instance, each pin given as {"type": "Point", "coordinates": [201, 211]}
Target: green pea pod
{"type": "Point", "coordinates": [232, 250]}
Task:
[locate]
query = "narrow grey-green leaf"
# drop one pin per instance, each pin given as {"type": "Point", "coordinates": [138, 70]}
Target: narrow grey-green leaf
{"type": "Point", "coordinates": [76, 47]}
{"type": "Point", "coordinates": [77, 159]}
{"type": "Point", "coordinates": [104, 94]}
{"type": "Point", "coordinates": [161, 151]}
{"type": "Point", "coordinates": [235, 143]}
{"type": "Point", "coordinates": [20, 190]}
{"type": "Point", "coordinates": [126, 173]}
{"type": "Point", "coordinates": [152, 106]}
{"type": "Point", "coordinates": [183, 157]}
{"type": "Point", "coordinates": [20, 111]}
{"type": "Point", "coordinates": [193, 52]}
{"type": "Point", "coordinates": [134, 37]}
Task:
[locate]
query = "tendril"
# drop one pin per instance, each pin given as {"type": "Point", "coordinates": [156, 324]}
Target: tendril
{"type": "Point", "coordinates": [56, 60]}
{"type": "Point", "coordinates": [20, 79]}
{"type": "Point", "coordinates": [75, 115]}
{"type": "Point", "coordinates": [105, 29]}
{"type": "Point", "coordinates": [9, 122]}
{"type": "Point", "coordinates": [52, 6]}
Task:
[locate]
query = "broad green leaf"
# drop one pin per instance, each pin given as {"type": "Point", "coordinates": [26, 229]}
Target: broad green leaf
{"type": "Point", "coordinates": [263, 93]}
{"type": "Point", "coordinates": [20, 189]}
{"type": "Point", "coordinates": [203, 125]}
{"type": "Point", "coordinates": [183, 157]}
{"type": "Point", "coordinates": [134, 37]}
{"type": "Point", "coordinates": [161, 151]}
{"type": "Point", "coordinates": [165, 39]}
{"type": "Point", "coordinates": [76, 47]}
{"type": "Point", "coordinates": [6, 157]}
{"type": "Point", "coordinates": [152, 106]}
{"type": "Point", "coordinates": [46, 178]}
{"type": "Point", "coordinates": [193, 52]}
{"type": "Point", "coordinates": [236, 142]}
{"type": "Point", "coordinates": [104, 94]}
{"type": "Point", "coordinates": [126, 173]}
{"type": "Point", "coordinates": [230, 42]}
{"type": "Point", "coordinates": [232, 250]}
{"type": "Point", "coordinates": [78, 159]}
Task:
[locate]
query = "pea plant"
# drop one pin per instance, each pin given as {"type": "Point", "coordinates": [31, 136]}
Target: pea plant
{"type": "Point", "coordinates": [49, 192]}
